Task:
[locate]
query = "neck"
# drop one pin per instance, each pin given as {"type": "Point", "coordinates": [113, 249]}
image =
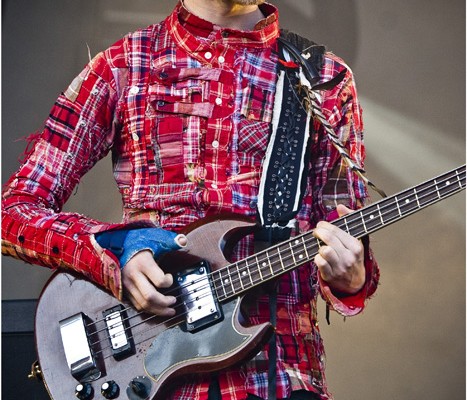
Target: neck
{"type": "Point", "coordinates": [226, 14]}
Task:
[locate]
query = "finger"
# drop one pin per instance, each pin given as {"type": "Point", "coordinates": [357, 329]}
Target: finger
{"type": "Point", "coordinates": [151, 300]}
{"type": "Point", "coordinates": [141, 282]}
{"type": "Point", "coordinates": [343, 210]}
{"type": "Point", "coordinates": [181, 240]}
{"type": "Point", "coordinates": [144, 263]}
{"type": "Point", "coordinates": [330, 255]}
{"type": "Point", "coordinates": [328, 234]}
{"type": "Point", "coordinates": [336, 237]}
{"type": "Point", "coordinates": [145, 297]}
{"type": "Point", "coordinates": [324, 268]}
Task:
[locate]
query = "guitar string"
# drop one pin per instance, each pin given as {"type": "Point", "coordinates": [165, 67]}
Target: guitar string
{"type": "Point", "coordinates": [140, 333]}
{"type": "Point", "coordinates": [268, 258]}
{"type": "Point", "coordinates": [259, 261]}
{"type": "Point", "coordinates": [349, 219]}
{"type": "Point", "coordinates": [295, 239]}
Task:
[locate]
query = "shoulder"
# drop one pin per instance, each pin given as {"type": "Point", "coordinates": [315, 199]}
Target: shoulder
{"type": "Point", "coordinates": [119, 54]}
{"type": "Point", "coordinates": [332, 66]}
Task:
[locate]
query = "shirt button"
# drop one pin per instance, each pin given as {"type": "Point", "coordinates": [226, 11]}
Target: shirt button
{"type": "Point", "coordinates": [221, 59]}
{"type": "Point", "coordinates": [214, 186]}
{"type": "Point", "coordinates": [215, 144]}
{"type": "Point", "coordinates": [218, 101]}
{"type": "Point", "coordinates": [134, 90]}
{"type": "Point", "coordinates": [208, 55]}
{"type": "Point", "coordinates": [135, 136]}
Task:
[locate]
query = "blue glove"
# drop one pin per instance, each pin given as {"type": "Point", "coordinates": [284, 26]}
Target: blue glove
{"type": "Point", "coordinates": [127, 243]}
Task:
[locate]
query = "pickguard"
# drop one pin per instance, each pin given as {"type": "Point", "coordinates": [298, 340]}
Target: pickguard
{"type": "Point", "coordinates": [175, 346]}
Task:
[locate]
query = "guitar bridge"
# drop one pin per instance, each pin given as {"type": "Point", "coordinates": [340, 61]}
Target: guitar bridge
{"type": "Point", "coordinates": [200, 304]}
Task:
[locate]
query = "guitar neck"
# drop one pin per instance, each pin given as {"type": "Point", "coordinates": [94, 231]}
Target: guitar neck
{"type": "Point", "coordinates": [268, 264]}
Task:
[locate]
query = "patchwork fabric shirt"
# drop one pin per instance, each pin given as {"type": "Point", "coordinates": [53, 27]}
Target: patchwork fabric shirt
{"type": "Point", "coordinates": [185, 107]}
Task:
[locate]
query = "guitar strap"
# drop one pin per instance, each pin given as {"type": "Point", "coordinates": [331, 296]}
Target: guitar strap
{"type": "Point", "coordinates": [284, 176]}
{"type": "Point", "coordinates": [284, 169]}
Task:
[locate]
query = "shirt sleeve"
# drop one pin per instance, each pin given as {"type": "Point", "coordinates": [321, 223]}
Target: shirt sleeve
{"type": "Point", "coordinates": [336, 183]}
{"type": "Point", "coordinates": [79, 132]}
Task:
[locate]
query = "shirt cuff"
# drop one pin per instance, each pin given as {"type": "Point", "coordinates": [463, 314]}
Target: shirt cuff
{"type": "Point", "coordinates": [353, 304]}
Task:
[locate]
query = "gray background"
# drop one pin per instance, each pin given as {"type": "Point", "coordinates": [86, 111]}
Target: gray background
{"type": "Point", "coordinates": [409, 60]}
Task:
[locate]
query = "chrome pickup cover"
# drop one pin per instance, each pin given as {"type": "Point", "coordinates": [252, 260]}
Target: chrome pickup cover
{"type": "Point", "coordinates": [78, 352]}
{"type": "Point", "coordinates": [201, 306]}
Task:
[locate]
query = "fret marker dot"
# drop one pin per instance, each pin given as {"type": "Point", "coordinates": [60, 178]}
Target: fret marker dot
{"type": "Point", "coordinates": [244, 273]}
{"type": "Point", "coordinates": [407, 201]}
{"type": "Point", "coordinates": [226, 281]}
{"type": "Point", "coordinates": [300, 256]}
{"type": "Point", "coordinates": [372, 216]}
{"type": "Point", "coordinates": [263, 264]}
{"type": "Point", "coordinates": [297, 242]}
{"type": "Point", "coordinates": [448, 183]}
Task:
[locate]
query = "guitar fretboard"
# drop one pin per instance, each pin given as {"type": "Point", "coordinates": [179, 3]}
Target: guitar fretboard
{"type": "Point", "coordinates": [286, 256]}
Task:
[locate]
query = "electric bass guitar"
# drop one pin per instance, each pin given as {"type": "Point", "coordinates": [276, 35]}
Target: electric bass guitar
{"type": "Point", "coordinates": [91, 346]}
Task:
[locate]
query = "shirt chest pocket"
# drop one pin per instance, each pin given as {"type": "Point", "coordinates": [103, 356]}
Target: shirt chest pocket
{"type": "Point", "coordinates": [179, 107]}
{"type": "Point", "coordinates": [182, 91]}
{"type": "Point", "coordinates": [177, 113]}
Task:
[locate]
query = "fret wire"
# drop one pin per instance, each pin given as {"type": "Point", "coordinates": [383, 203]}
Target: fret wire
{"type": "Point", "coordinates": [259, 267]}
{"type": "Point", "coordinates": [280, 258]}
{"type": "Point", "coordinates": [223, 287]}
{"type": "Point", "coordinates": [416, 197]}
{"type": "Point", "coordinates": [363, 222]}
{"type": "Point", "coordinates": [249, 272]}
{"type": "Point", "coordinates": [304, 248]}
{"type": "Point", "coordinates": [269, 262]}
{"type": "Point", "coordinates": [230, 280]}
{"type": "Point", "coordinates": [437, 190]}
{"type": "Point", "coordinates": [397, 204]}
{"type": "Point", "coordinates": [239, 277]}
{"type": "Point", "coordinates": [225, 280]}
{"type": "Point", "coordinates": [380, 215]}
{"type": "Point", "coordinates": [293, 256]}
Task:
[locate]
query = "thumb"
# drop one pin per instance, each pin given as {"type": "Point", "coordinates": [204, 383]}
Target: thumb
{"type": "Point", "coordinates": [159, 241]}
{"type": "Point", "coordinates": [343, 210]}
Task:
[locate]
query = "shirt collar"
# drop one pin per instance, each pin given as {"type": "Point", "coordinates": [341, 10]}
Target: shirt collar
{"type": "Point", "coordinates": [192, 32]}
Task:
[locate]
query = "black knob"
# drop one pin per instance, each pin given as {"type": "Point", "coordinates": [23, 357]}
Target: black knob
{"type": "Point", "coordinates": [139, 388]}
{"type": "Point", "coordinates": [84, 391]}
{"type": "Point", "coordinates": [110, 390]}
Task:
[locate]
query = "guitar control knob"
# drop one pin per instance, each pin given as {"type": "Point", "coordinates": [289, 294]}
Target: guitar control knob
{"type": "Point", "coordinates": [84, 391]}
{"type": "Point", "coordinates": [110, 390]}
{"type": "Point", "coordinates": [139, 388]}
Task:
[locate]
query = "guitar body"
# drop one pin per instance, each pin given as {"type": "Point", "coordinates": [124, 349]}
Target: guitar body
{"type": "Point", "coordinates": [164, 352]}
{"type": "Point", "coordinates": [83, 334]}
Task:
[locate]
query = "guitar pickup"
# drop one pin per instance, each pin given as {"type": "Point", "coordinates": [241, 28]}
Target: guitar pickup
{"type": "Point", "coordinates": [78, 352]}
{"type": "Point", "coordinates": [200, 304]}
{"type": "Point", "coordinates": [118, 330]}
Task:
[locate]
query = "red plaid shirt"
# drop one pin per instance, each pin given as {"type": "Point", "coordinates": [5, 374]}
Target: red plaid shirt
{"type": "Point", "coordinates": [186, 107]}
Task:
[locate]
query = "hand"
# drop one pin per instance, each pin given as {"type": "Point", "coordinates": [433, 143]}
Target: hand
{"type": "Point", "coordinates": [142, 278]}
{"type": "Point", "coordinates": [341, 261]}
